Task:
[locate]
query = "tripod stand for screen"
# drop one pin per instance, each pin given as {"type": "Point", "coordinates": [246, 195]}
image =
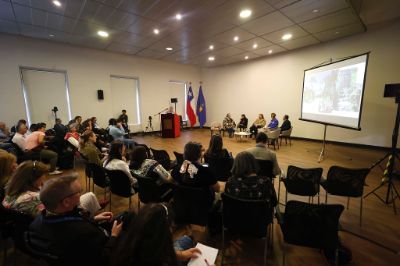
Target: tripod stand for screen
{"type": "Point", "coordinates": [391, 90]}
{"type": "Point", "coordinates": [149, 127]}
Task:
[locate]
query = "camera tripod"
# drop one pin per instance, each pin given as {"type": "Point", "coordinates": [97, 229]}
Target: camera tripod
{"type": "Point", "coordinates": [392, 194]}
{"type": "Point", "coordinates": [149, 126]}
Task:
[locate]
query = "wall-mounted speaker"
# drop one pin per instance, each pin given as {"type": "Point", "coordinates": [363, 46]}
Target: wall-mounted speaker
{"type": "Point", "coordinates": [174, 100]}
{"type": "Point", "coordinates": [100, 95]}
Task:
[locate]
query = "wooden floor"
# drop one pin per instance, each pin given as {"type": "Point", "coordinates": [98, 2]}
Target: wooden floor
{"type": "Point", "coordinates": [378, 240]}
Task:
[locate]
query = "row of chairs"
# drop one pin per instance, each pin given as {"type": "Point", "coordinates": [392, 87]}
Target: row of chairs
{"type": "Point", "coordinates": [340, 181]}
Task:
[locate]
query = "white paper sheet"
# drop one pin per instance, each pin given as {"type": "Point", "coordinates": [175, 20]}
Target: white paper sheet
{"type": "Point", "coordinates": [206, 258]}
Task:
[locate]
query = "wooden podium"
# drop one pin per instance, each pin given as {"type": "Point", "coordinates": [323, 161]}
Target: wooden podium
{"type": "Point", "coordinates": [170, 126]}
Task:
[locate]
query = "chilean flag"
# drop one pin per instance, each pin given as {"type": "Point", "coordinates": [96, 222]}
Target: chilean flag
{"type": "Point", "coordinates": [189, 109]}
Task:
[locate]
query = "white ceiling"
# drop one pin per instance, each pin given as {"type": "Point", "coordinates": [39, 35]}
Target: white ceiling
{"type": "Point", "coordinates": [130, 24]}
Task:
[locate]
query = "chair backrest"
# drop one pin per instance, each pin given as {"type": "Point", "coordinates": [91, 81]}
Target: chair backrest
{"type": "Point", "coordinates": [191, 205]}
{"type": "Point", "coordinates": [346, 182]}
{"type": "Point", "coordinates": [99, 175]}
{"type": "Point", "coordinates": [179, 157]}
{"type": "Point", "coordinates": [216, 125]}
{"type": "Point", "coordinates": [149, 190]}
{"type": "Point", "coordinates": [148, 152]}
{"type": "Point", "coordinates": [265, 168]}
{"type": "Point", "coordinates": [162, 157]}
{"type": "Point", "coordinates": [246, 217]}
{"type": "Point", "coordinates": [220, 167]}
{"type": "Point", "coordinates": [273, 134]}
{"type": "Point", "coordinates": [287, 132]}
{"type": "Point", "coordinates": [302, 181]}
{"type": "Point", "coordinates": [311, 225]}
{"type": "Point", "coordinates": [120, 183]}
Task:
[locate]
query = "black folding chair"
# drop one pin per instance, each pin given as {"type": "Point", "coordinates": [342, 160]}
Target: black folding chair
{"type": "Point", "coordinates": [310, 225]}
{"type": "Point", "coordinates": [346, 182]}
{"type": "Point", "coordinates": [246, 218]}
{"type": "Point", "coordinates": [120, 185]}
{"type": "Point", "coordinates": [220, 167]}
{"type": "Point", "coordinates": [191, 205]}
{"type": "Point", "coordinates": [179, 157]}
{"type": "Point", "coordinates": [150, 192]}
{"type": "Point", "coordinates": [99, 176]}
{"type": "Point", "coordinates": [302, 182]}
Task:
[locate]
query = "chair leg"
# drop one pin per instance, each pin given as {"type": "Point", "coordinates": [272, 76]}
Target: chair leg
{"type": "Point", "coordinates": [110, 200]}
{"type": "Point", "coordinates": [348, 202]}
{"type": "Point", "coordinates": [361, 207]}
{"type": "Point", "coordinates": [279, 190]}
{"type": "Point", "coordinates": [318, 199]}
{"type": "Point", "coordinates": [138, 204]}
{"type": "Point", "coordinates": [266, 249]}
{"type": "Point", "coordinates": [326, 197]}
{"type": "Point", "coordinates": [286, 198]}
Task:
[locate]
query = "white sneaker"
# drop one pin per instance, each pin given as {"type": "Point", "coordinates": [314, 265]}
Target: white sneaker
{"type": "Point", "coordinates": [55, 172]}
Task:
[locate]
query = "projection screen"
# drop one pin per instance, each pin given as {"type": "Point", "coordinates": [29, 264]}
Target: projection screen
{"type": "Point", "coordinates": [333, 93]}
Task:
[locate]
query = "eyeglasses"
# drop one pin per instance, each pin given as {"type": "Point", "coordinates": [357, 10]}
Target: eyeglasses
{"type": "Point", "coordinates": [72, 194]}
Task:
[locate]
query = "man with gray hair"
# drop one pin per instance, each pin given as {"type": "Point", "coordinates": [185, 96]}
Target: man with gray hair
{"type": "Point", "coordinates": [63, 230]}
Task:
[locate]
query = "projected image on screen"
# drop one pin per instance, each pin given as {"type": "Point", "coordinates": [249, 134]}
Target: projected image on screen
{"type": "Point", "coordinates": [332, 94]}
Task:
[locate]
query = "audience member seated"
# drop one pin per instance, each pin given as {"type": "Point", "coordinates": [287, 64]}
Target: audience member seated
{"type": "Point", "coordinates": [141, 165]}
{"type": "Point", "coordinates": [215, 149]}
{"type": "Point", "coordinates": [19, 137]}
{"type": "Point", "coordinates": [8, 164]}
{"type": "Point", "coordinates": [117, 132]}
{"type": "Point", "coordinates": [14, 127]}
{"type": "Point", "coordinates": [192, 173]}
{"type": "Point", "coordinates": [89, 149]}
{"type": "Point", "coordinates": [124, 120]}
{"type": "Point", "coordinates": [273, 124]}
{"type": "Point", "coordinates": [116, 160]}
{"type": "Point", "coordinates": [64, 230]}
{"type": "Point", "coordinates": [73, 132]}
{"type": "Point", "coordinates": [286, 125]}
{"type": "Point", "coordinates": [259, 123]}
{"type": "Point", "coordinates": [243, 122]}
{"type": "Point", "coordinates": [22, 190]}
{"type": "Point", "coordinates": [245, 183]}
{"type": "Point", "coordinates": [261, 152]}
{"type": "Point", "coordinates": [148, 241]}
{"type": "Point", "coordinates": [229, 125]}
{"type": "Point", "coordinates": [35, 142]}
{"type": "Point", "coordinates": [4, 137]}
{"type": "Point", "coordinates": [60, 129]}
{"type": "Point", "coordinates": [87, 125]}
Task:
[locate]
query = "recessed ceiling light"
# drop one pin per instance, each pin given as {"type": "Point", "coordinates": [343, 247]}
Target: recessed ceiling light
{"type": "Point", "coordinates": [255, 46]}
{"type": "Point", "coordinates": [56, 3]}
{"type": "Point", "coordinates": [178, 16]}
{"type": "Point", "coordinates": [51, 35]}
{"type": "Point", "coordinates": [286, 36]}
{"type": "Point", "coordinates": [169, 49]}
{"type": "Point", "coordinates": [236, 38]}
{"type": "Point", "coordinates": [102, 33]}
{"type": "Point", "coordinates": [337, 32]}
{"type": "Point", "coordinates": [211, 47]}
{"type": "Point", "coordinates": [245, 13]}
{"type": "Point", "coordinates": [270, 51]}
{"type": "Point", "coordinates": [246, 57]}
{"type": "Point", "coordinates": [211, 58]}
{"type": "Point", "coordinates": [156, 31]}
{"type": "Point", "coordinates": [315, 11]}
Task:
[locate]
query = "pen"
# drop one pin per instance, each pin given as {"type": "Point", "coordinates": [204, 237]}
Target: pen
{"type": "Point", "coordinates": [205, 260]}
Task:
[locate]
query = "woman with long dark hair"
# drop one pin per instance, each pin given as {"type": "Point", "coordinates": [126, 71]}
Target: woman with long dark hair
{"type": "Point", "coordinates": [148, 241]}
{"type": "Point", "coordinates": [116, 160]}
{"type": "Point", "coordinates": [88, 148]}
{"type": "Point", "coordinates": [215, 149]}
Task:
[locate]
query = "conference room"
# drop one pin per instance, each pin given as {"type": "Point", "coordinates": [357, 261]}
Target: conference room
{"type": "Point", "coordinates": [187, 73]}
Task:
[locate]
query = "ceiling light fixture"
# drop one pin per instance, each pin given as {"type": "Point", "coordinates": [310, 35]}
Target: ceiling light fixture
{"type": "Point", "coordinates": [51, 35]}
{"type": "Point", "coordinates": [236, 38]}
{"type": "Point", "coordinates": [245, 13]}
{"type": "Point", "coordinates": [270, 51]}
{"type": "Point", "coordinates": [57, 3]}
{"type": "Point", "coordinates": [286, 36]}
{"type": "Point", "coordinates": [337, 32]}
{"type": "Point", "coordinates": [255, 46]}
{"type": "Point", "coordinates": [315, 11]}
{"type": "Point", "coordinates": [246, 57]}
{"type": "Point", "coordinates": [156, 31]}
{"type": "Point", "coordinates": [211, 47]}
{"type": "Point", "coordinates": [178, 16]}
{"type": "Point", "coordinates": [102, 33]}
{"type": "Point", "coordinates": [169, 49]}
{"type": "Point", "coordinates": [211, 58]}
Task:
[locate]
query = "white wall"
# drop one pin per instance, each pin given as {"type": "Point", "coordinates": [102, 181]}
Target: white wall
{"type": "Point", "coordinates": [274, 84]}
{"type": "Point", "coordinates": [88, 71]}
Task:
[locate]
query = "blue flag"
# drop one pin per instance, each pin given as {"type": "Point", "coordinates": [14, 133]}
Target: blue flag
{"type": "Point", "coordinates": [201, 108]}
